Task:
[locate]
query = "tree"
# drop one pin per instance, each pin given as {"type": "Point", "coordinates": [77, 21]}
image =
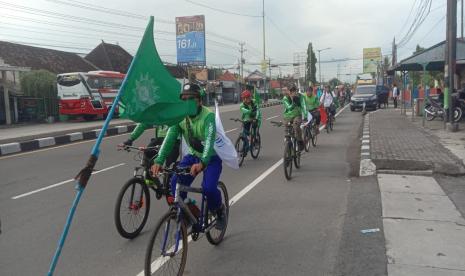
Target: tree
{"type": "Point", "coordinates": [310, 74]}
{"type": "Point", "coordinates": [39, 84]}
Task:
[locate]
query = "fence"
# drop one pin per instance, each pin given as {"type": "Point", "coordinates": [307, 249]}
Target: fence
{"type": "Point", "coordinates": [30, 109]}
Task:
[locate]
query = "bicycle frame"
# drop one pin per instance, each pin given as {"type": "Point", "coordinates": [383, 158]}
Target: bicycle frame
{"type": "Point", "coordinates": [182, 209]}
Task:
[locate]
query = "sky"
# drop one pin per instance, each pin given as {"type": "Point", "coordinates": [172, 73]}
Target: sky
{"type": "Point", "coordinates": [345, 26]}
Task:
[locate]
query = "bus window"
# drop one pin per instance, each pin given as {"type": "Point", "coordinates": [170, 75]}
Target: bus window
{"type": "Point", "coordinates": [68, 80]}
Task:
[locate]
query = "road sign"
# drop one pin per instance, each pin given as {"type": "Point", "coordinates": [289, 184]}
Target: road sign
{"type": "Point", "coordinates": [190, 40]}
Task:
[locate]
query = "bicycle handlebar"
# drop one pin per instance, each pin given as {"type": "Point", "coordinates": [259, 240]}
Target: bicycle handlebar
{"type": "Point", "coordinates": [176, 170]}
{"type": "Point", "coordinates": [236, 120]}
{"type": "Point", "coordinates": [141, 149]}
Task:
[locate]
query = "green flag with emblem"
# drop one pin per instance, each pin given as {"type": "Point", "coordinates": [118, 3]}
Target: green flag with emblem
{"type": "Point", "coordinates": [149, 94]}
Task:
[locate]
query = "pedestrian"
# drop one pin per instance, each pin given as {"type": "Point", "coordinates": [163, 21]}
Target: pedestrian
{"type": "Point", "coordinates": [395, 94]}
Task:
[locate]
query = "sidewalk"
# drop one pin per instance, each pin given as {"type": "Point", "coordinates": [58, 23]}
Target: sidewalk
{"type": "Point", "coordinates": [399, 144]}
{"type": "Point", "coordinates": [424, 231]}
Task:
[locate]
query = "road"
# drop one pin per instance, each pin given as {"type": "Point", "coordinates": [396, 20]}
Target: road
{"type": "Point", "coordinates": [278, 227]}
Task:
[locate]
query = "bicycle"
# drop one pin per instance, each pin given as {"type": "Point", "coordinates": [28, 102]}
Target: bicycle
{"type": "Point", "coordinates": [292, 153]}
{"type": "Point", "coordinates": [135, 205]}
{"type": "Point", "coordinates": [254, 145]}
{"type": "Point", "coordinates": [310, 134]}
{"type": "Point", "coordinates": [330, 121]}
{"type": "Point", "coordinates": [169, 242]}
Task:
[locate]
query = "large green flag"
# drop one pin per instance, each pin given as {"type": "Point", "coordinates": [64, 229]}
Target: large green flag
{"type": "Point", "coordinates": [149, 93]}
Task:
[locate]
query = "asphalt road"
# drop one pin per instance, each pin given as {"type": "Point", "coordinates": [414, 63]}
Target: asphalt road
{"type": "Point", "coordinates": [277, 228]}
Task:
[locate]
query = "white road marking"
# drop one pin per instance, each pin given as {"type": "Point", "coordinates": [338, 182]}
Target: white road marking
{"type": "Point", "coordinates": [160, 261]}
{"type": "Point", "coordinates": [227, 131]}
{"type": "Point", "coordinates": [57, 147]}
{"type": "Point", "coordinates": [272, 117]}
{"type": "Point", "coordinates": [64, 182]}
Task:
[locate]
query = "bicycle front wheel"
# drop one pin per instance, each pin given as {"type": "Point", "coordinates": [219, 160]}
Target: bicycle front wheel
{"type": "Point", "coordinates": [215, 236]}
{"type": "Point", "coordinates": [331, 123]}
{"type": "Point", "coordinates": [307, 138]}
{"type": "Point", "coordinates": [240, 149]}
{"type": "Point", "coordinates": [161, 257]}
{"type": "Point", "coordinates": [287, 160]}
{"type": "Point", "coordinates": [255, 146]}
{"type": "Point", "coordinates": [132, 208]}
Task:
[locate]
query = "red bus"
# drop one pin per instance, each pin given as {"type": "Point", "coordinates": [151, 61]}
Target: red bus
{"type": "Point", "coordinates": [88, 94]}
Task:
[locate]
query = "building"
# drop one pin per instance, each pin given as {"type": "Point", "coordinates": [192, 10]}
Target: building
{"type": "Point", "coordinates": [110, 57]}
{"type": "Point", "coordinates": [228, 88]}
{"type": "Point", "coordinates": [16, 58]}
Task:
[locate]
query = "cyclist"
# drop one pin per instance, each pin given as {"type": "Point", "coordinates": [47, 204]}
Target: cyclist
{"type": "Point", "coordinates": [250, 115]}
{"type": "Point", "coordinates": [199, 132]}
{"type": "Point", "coordinates": [160, 134]}
{"type": "Point", "coordinates": [312, 105]}
{"type": "Point", "coordinates": [327, 100]}
{"type": "Point", "coordinates": [293, 113]}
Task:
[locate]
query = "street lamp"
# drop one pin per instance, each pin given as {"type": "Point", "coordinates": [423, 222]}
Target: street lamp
{"type": "Point", "coordinates": [319, 63]}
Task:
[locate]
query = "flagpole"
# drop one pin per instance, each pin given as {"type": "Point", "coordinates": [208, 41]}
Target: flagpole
{"type": "Point", "coordinates": [85, 174]}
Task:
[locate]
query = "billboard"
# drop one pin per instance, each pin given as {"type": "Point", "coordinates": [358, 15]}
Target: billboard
{"type": "Point", "coordinates": [371, 58]}
{"type": "Point", "coordinates": [190, 40]}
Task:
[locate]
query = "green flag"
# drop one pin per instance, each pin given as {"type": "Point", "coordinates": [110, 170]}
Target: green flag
{"type": "Point", "coordinates": [149, 94]}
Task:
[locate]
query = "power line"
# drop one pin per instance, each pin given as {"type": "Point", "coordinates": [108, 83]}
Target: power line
{"type": "Point", "coordinates": [222, 11]}
{"type": "Point", "coordinates": [289, 39]}
{"type": "Point", "coordinates": [101, 9]}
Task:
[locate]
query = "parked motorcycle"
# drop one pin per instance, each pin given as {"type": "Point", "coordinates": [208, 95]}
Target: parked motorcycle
{"type": "Point", "coordinates": [434, 109]}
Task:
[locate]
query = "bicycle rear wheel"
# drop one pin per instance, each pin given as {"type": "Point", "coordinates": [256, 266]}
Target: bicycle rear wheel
{"type": "Point", "coordinates": [296, 154]}
{"type": "Point", "coordinates": [132, 208]}
{"type": "Point", "coordinates": [240, 149]}
{"type": "Point", "coordinates": [164, 238]}
{"type": "Point", "coordinates": [255, 146]}
{"type": "Point", "coordinates": [287, 160]}
{"type": "Point", "coordinates": [314, 131]}
{"type": "Point", "coordinates": [215, 236]}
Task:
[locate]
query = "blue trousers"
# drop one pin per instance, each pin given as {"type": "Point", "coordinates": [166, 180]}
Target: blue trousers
{"type": "Point", "coordinates": [211, 176]}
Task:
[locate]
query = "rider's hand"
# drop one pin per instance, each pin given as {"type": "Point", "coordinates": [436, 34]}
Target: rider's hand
{"type": "Point", "coordinates": [156, 168]}
{"type": "Point", "coordinates": [128, 142]}
{"type": "Point", "coordinates": [196, 169]}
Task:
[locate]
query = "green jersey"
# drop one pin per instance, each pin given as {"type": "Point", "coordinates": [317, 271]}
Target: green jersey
{"type": "Point", "coordinates": [200, 129]}
{"type": "Point", "coordinates": [247, 111]}
{"type": "Point", "coordinates": [160, 131]}
{"type": "Point", "coordinates": [311, 103]}
{"type": "Point", "coordinates": [292, 109]}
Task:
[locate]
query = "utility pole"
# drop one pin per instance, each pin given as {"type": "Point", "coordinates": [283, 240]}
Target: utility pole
{"type": "Point", "coordinates": [450, 56]}
{"type": "Point", "coordinates": [264, 55]}
{"type": "Point", "coordinates": [319, 60]}
{"type": "Point", "coordinates": [269, 68]}
{"type": "Point", "coordinates": [461, 19]}
{"type": "Point", "coordinates": [242, 50]}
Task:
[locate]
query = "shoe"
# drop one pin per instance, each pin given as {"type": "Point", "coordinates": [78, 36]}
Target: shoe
{"type": "Point", "coordinates": [301, 145]}
{"type": "Point", "coordinates": [221, 218]}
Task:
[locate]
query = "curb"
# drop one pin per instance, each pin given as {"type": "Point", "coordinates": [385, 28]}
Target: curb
{"type": "Point", "coordinates": [367, 167]}
{"type": "Point", "coordinates": [35, 144]}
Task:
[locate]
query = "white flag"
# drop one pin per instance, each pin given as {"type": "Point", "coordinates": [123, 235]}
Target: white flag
{"type": "Point", "coordinates": [223, 146]}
